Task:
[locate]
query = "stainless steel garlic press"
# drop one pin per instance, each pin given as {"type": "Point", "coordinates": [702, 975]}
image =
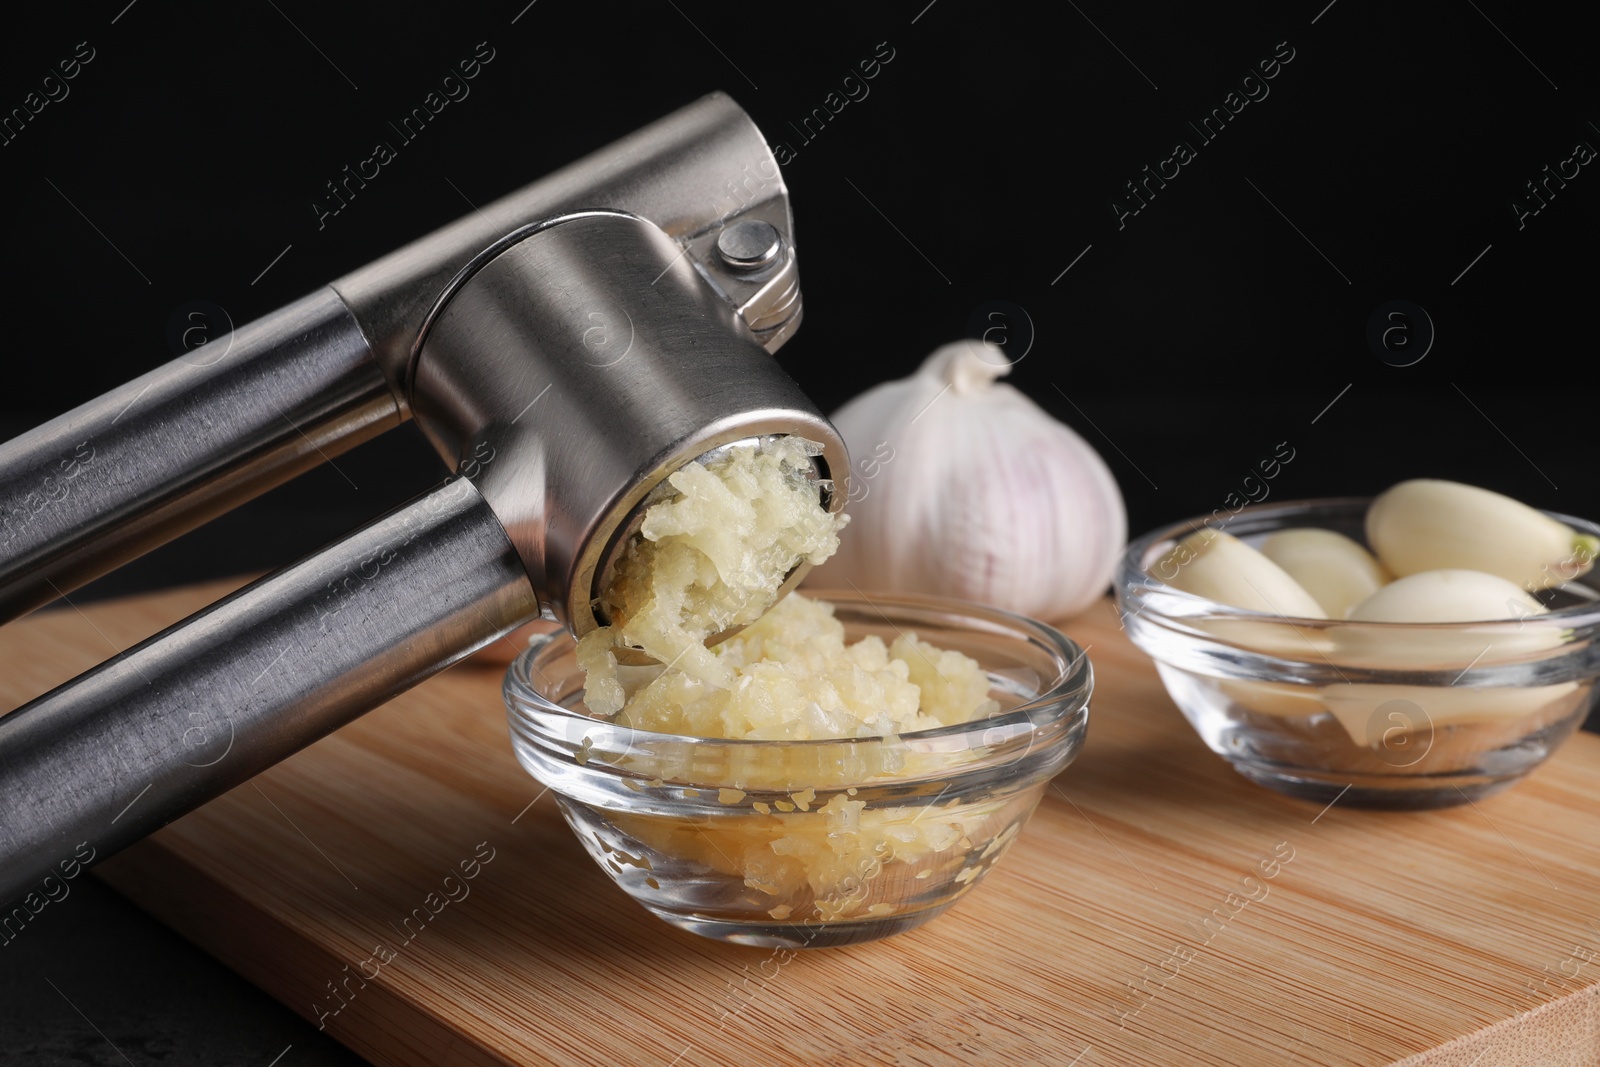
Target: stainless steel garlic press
{"type": "Point", "coordinates": [564, 349]}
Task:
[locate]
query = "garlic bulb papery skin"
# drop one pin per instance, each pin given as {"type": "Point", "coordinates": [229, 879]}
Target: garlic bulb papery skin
{"type": "Point", "coordinates": [962, 486]}
{"type": "Point", "coordinates": [1427, 524]}
{"type": "Point", "coordinates": [1328, 565]}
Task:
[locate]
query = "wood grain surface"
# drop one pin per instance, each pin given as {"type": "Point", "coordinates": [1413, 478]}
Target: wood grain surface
{"type": "Point", "coordinates": [1452, 938]}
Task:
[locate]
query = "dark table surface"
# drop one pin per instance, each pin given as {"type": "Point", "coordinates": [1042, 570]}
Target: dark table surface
{"type": "Point", "coordinates": [96, 981]}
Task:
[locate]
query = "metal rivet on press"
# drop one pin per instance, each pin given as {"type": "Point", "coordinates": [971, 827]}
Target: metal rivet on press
{"type": "Point", "coordinates": [749, 245]}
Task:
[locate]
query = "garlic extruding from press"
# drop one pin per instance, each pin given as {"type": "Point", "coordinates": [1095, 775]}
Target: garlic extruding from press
{"type": "Point", "coordinates": [962, 486]}
{"type": "Point", "coordinates": [710, 557]}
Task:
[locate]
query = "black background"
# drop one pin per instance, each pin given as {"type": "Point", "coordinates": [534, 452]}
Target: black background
{"type": "Point", "coordinates": [1185, 343]}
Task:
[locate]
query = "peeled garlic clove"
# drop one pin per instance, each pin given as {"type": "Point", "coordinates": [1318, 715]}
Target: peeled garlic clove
{"type": "Point", "coordinates": [1335, 570]}
{"type": "Point", "coordinates": [1443, 596]}
{"type": "Point", "coordinates": [1447, 595]}
{"type": "Point", "coordinates": [962, 486]}
{"type": "Point", "coordinates": [1370, 712]}
{"type": "Point", "coordinates": [1220, 567]}
{"type": "Point", "coordinates": [1427, 524]}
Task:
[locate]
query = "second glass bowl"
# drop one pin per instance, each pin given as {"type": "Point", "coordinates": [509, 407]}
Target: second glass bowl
{"type": "Point", "coordinates": [1386, 715]}
{"type": "Point", "coordinates": [809, 844]}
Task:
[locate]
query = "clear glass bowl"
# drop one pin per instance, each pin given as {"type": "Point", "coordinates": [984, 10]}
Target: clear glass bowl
{"type": "Point", "coordinates": [1381, 715]}
{"type": "Point", "coordinates": [810, 844]}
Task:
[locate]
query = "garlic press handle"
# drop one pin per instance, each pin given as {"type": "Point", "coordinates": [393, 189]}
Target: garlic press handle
{"type": "Point", "coordinates": [105, 483]}
{"type": "Point", "coordinates": [125, 748]}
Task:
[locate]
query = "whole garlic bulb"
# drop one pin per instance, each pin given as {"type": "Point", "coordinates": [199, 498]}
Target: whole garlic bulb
{"type": "Point", "coordinates": [964, 487]}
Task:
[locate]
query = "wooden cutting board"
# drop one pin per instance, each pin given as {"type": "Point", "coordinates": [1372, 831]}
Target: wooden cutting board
{"type": "Point", "coordinates": [1451, 938]}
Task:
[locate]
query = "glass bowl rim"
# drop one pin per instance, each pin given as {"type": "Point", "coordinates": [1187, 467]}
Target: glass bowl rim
{"type": "Point", "coordinates": [1067, 697]}
{"type": "Point", "coordinates": [1131, 572]}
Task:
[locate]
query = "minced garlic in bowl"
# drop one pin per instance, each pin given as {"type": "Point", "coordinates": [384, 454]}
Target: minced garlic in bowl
{"type": "Point", "coordinates": [947, 721]}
